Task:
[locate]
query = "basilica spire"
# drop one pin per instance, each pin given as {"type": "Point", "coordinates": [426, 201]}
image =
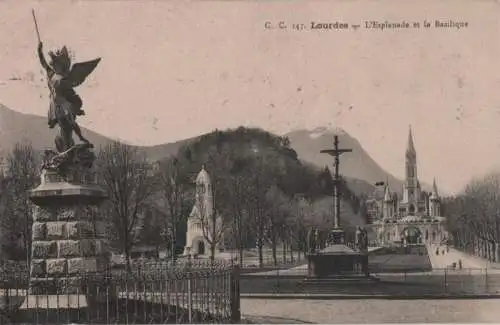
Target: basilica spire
{"type": "Point", "coordinates": [410, 149]}
{"type": "Point", "coordinates": [434, 194]}
{"type": "Point", "coordinates": [411, 162]}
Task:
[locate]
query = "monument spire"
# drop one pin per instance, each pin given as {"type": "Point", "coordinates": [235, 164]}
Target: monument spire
{"type": "Point", "coordinates": [338, 257]}
{"type": "Point", "coordinates": [336, 152]}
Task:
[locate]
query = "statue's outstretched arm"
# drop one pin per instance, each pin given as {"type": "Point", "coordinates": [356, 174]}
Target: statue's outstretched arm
{"type": "Point", "coordinates": [43, 62]}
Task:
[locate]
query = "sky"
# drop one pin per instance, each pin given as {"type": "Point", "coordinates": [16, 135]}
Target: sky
{"type": "Point", "coordinates": [176, 69]}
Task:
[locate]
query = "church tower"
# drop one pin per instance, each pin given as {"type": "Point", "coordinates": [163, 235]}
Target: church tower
{"type": "Point", "coordinates": [411, 187]}
{"type": "Point", "coordinates": [434, 201]}
{"type": "Point", "coordinates": [388, 203]}
{"type": "Point", "coordinates": [411, 164]}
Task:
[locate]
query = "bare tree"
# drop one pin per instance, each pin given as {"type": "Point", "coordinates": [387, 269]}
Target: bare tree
{"type": "Point", "coordinates": [4, 199]}
{"type": "Point", "coordinates": [266, 168]}
{"type": "Point", "coordinates": [151, 232]}
{"type": "Point", "coordinates": [484, 211]}
{"type": "Point", "coordinates": [295, 225]}
{"type": "Point", "coordinates": [275, 205]}
{"type": "Point", "coordinates": [237, 196]}
{"type": "Point", "coordinates": [257, 195]}
{"type": "Point", "coordinates": [283, 221]}
{"type": "Point", "coordinates": [237, 208]}
{"type": "Point", "coordinates": [128, 179]}
{"type": "Point", "coordinates": [22, 176]}
{"type": "Point", "coordinates": [474, 217]}
{"type": "Point", "coordinates": [173, 196]}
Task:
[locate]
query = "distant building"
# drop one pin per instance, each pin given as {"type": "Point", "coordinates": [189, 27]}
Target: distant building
{"type": "Point", "coordinates": [411, 218]}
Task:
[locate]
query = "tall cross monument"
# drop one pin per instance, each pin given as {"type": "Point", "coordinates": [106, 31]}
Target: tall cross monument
{"type": "Point", "coordinates": [337, 232]}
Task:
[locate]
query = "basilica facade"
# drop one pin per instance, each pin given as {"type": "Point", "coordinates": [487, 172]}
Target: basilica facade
{"type": "Point", "coordinates": [412, 216]}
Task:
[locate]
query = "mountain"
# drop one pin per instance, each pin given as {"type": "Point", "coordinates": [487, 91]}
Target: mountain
{"type": "Point", "coordinates": [358, 167]}
{"type": "Point", "coordinates": [240, 152]}
{"type": "Point", "coordinates": [18, 127]}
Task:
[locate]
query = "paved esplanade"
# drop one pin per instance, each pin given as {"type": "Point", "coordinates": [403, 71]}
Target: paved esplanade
{"type": "Point", "coordinates": [441, 261]}
{"type": "Point", "coordinates": [374, 311]}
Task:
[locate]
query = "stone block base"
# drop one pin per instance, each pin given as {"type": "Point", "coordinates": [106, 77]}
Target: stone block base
{"type": "Point", "coordinates": [67, 267]}
{"type": "Point", "coordinates": [54, 302]}
{"type": "Point", "coordinates": [68, 259]}
{"type": "Point", "coordinates": [337, 263]}
{"type": "Point", "coordinates": [55, 309]}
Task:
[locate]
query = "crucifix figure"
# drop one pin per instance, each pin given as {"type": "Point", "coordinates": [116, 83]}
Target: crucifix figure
{"type": "Point", "coordinates": [336, 152]}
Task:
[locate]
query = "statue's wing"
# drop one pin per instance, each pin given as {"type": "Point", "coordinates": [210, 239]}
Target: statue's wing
{"type": "Point", "coordinates": [81, 70]}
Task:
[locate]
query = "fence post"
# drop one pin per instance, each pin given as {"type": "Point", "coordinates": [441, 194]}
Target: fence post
{"type": "Point", "coordinates": [189, 289]}
{"type": "Point", "coordinates": [486, 279]}
{"type": "Point", "coordinates": [235, 295]}
{"type": "Point", "coordinates": [278, 280]}
{"type": "Point", "coordinates": [445, 283]}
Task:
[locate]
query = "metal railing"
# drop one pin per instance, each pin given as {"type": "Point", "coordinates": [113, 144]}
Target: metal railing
{"type": "Point", "coordinates": [448, 281]}
{"type": "Point", "coordinates": [250, 259]}
{"type": "Point", "coordinates": [152, 293]}
{"type": "Point", "coordinates": [437, 282]}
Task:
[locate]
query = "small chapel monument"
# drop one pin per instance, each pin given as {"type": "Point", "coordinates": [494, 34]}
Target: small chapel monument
{"type": "Point", "coordinates": [203, 224]}
{"type": "Point", "coordinates": [67, 243]}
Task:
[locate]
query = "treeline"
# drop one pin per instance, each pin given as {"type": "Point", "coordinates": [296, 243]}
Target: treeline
{"type": "Point", "coordinates": [21, 174]}
{"type": "Point", "coordinates": [473, 217]}
{"type": "Point", "coordinates": [264, 195]}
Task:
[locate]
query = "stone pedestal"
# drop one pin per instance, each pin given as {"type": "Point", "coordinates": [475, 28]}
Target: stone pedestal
{"type": "Point", "coordinates": [336, 236]}
{"type": "Point", "coordinates": [68, 247]}
{"type": "Point", "coordinates": [337, 260]}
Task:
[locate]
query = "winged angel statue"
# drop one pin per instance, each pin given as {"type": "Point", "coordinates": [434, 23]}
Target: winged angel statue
{"type": "Point", "coordinates": [65, 104]}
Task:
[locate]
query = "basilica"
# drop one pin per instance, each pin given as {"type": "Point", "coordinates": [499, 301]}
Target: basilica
{"type": "Point", "coordinates": [412, 216]}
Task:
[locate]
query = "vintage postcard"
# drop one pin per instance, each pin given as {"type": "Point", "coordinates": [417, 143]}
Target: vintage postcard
{"type": "Point", "coordinates": [249, 161]}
